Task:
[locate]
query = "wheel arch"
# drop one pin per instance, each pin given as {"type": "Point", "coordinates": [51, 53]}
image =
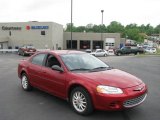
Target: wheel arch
{"type": "Point", "coordinates": [71, 87]}
{"type": "Point", "coordinates": [22, 72]}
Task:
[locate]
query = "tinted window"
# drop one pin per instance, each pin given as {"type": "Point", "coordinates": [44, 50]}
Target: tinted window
{"type": "Point", "coordinates": [51, 60]}
{"type": "Point", "coordinates": [82, 61]}
{"type": "Point", "coordinates": [38, 59]}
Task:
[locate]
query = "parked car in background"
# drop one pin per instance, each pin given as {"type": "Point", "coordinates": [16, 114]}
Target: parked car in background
{"type": "Point", "coordinates": [26, 50]}
{"type": "Point", "coordinates": [129, 50]}
{"type": "Point", "coordinates": [111, 52]}
{"type": "Point", "coordinates": [84, 81]}
{"type": "Point", "coordinates": [88, 50]}
{"type": "Point", "coordinates": [150, 50]}
{"type": "Point", "coordinates": [99, 53]}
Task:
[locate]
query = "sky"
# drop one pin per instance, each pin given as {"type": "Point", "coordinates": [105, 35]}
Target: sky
{"type": "Point", "coordinates": [84, 11]}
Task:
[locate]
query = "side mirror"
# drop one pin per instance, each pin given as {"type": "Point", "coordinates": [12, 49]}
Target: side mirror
{"type": "Point", "coordinates": [57, 68]}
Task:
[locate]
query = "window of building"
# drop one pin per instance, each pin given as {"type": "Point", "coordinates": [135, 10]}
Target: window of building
{"type": "Point", "coordinates": [97, 44]}
{"type": "Point", "coordinates": [85, 44]}
{"type": "Point", "coordinates": [56, 46]}
{"type": "Point", "coordinates": [43, 33]}
{"type": "Point", "coordinates": [10, 33]}
{"type": "Point", "coordinates": [74, 44]}
{"type": "Point", "coordinates": [38, 59]}
{"type": "Point", "coordinates": [109, 44]}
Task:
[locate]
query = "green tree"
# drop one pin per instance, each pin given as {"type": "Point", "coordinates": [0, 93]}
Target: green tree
{"type": "Point", "coordinates": [149, 29]}
{"type": "Point", "coordinates": [157, 29]}
{"type": "Point", "coordinates": [131, 26]}
{"type": "Point", "coordinates": [96, 28]}
{"type": "Point", "coordinates": [80, 29]}
{"type": "Point", "coordinates": [89, 27]}
{"type": "Point", "coordinates": [115, 27]}
{"type": "Point", "coordinates": [68, 28]}
{"type": "Point", "coordinates": [134, 34]}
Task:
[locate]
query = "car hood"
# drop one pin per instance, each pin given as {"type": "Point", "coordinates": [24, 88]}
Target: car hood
{"type": "Point", "coordinates": [113, 77]}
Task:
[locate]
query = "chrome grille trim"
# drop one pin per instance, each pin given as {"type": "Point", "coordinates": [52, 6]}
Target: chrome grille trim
{"type": "Point", "coordinates": [135, 101]}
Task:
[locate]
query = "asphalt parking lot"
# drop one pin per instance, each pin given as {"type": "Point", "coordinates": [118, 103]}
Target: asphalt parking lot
{"type": "Point", "coordinates": [16, 104]}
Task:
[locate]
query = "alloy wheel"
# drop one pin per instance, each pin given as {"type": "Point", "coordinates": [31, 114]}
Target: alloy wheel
{"type": "Point", "coordinates": [24, 82]}
{"type": "Point", "coordinates": [79, 101]}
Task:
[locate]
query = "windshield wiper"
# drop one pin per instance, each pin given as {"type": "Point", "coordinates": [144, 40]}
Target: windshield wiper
{"type": "Point", "coordinates": [100, 68]}
{"type": "Point", "coordinates": [79, 69]}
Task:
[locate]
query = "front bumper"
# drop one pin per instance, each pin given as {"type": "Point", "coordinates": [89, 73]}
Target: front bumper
{"type": "Point", "coordinates": [130, 98]}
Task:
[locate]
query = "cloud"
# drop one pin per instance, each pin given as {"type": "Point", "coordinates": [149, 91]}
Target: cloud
{"type": "Point", "coordinates": [41, 4]}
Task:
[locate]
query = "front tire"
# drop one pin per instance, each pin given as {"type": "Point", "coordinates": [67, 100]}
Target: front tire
{"type": "Point", "coordinates": [25, 83]}
{"type": "Point", "coordinates": [80, 101]}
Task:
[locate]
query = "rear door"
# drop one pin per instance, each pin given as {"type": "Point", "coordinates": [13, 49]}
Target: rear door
{"type": "Point", "coordinates": [35, 70]}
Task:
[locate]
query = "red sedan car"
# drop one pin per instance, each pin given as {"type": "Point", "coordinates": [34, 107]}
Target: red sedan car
{"type": "Point", "coordinates": [82, 79]}
{"type": "Point", "coordinates": [26, 50]}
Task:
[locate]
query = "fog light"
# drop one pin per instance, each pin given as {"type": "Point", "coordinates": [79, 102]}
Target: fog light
{"type": "Point", "coordinates": [114, 105]}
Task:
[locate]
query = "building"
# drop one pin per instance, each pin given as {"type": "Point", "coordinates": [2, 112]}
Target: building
{"type": "Point", "coordinates": [40, 34]}
{"type": "Point", "coordinates": [82, 41]}
{"type": "Point", "coordinates": [50, 35]}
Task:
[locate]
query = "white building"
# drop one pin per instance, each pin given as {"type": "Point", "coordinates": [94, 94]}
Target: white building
{"type": "Point", "coordinates": [40, 34]}
{"type": "Point", "coordinates": [50, 35]}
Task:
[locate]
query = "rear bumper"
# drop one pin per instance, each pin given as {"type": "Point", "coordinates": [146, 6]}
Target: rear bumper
{"type": "Point", "coordinates": [29, 53]}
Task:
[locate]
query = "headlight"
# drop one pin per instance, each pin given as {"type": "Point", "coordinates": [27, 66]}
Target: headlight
{"type": "Point", "coordinates": [108, 90]}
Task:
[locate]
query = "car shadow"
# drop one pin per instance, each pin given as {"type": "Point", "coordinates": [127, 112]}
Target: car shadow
{"type": "Point", "coordinates": [64, 107]}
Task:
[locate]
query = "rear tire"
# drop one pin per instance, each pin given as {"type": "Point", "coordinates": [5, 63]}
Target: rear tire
{"type": "Point", "coordinates": [25, 83]}
{"type": "Point", "coordinates": [119, 54]}
{"type": "Point", "coordinates": [80, 101]}
{"type": "Point", "coordinates": [23, 54]}
{"type": "Point", "coordinates": [137, 53]}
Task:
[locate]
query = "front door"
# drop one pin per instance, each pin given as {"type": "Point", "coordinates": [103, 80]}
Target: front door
{"type": "Point", "coordinates": [54, 81]}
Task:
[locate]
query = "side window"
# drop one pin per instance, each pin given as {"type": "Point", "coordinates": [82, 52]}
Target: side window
{"type": "Point", "coordinates": [51, 60]}
{"type": "Point", "coordinates": [38, 59]}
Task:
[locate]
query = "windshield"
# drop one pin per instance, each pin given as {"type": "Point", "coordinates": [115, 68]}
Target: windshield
{"type": "Point", "coordinates": [82, 62]}
{"type": "Point", "coordinates": [32, 47]}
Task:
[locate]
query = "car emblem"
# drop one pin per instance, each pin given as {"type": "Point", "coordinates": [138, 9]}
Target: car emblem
{"type": "Point", "coordinates": [138, 89]}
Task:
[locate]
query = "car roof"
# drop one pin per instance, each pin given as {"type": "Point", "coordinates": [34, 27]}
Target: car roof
{"type": "Point", "coordinates": [63, 52]}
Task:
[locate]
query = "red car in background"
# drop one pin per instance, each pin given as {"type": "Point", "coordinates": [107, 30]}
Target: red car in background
{"type": "Point", "coordinates": [83, 80]}
{"type": "Point", "coordinates": [26, 50]}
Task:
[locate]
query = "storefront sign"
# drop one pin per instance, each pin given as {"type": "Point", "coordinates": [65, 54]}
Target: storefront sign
{"type": "Point", "coordinates": [11, 28]}
{"type": "Point", "coordinates": [36, 27]}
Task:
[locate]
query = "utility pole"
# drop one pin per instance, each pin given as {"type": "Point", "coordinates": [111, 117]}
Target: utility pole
{"type": "Point", "coordinates": [71, 21]}
{"type": "Point", "coordinates": [101, 30]}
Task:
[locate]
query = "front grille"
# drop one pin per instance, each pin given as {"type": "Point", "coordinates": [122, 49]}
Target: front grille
{"type": "Point", "coordinates": [135, 101]}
